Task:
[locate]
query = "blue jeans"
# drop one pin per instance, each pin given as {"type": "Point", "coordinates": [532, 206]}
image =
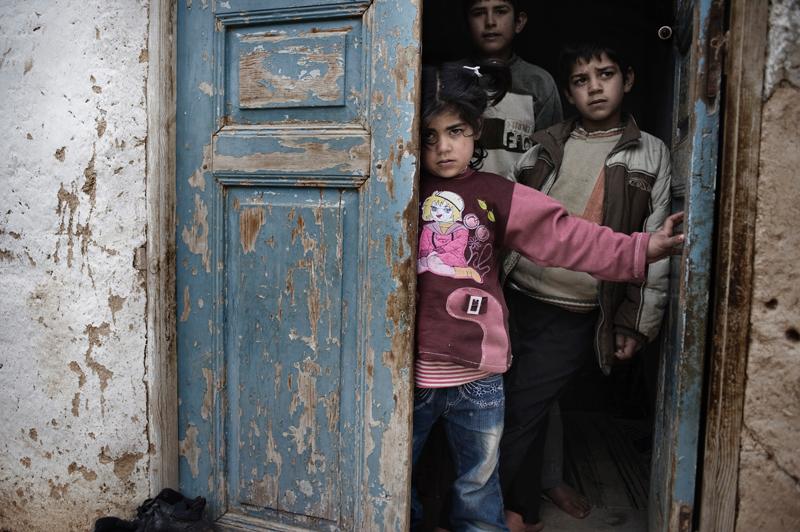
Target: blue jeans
{"type": "Point", "coordinates": [473, 421]}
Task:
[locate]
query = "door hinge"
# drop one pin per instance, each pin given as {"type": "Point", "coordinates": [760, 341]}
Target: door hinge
{"type": "Point", "coordinates": [141, 263]}
{"type": "Point", "coordinates": [140, 258]}
{"type": "Point", "coordinates": [716, 46]}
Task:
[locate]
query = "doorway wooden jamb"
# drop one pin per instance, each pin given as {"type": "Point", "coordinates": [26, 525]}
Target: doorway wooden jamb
{"type": "Point", "coordinates": [745, 63]}
{"type": "Point", "coordinates": [160, 358]}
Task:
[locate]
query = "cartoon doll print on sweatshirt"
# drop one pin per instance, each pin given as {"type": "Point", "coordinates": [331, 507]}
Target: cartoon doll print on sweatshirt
{"type": "Point", "coordinates": [453, 243]}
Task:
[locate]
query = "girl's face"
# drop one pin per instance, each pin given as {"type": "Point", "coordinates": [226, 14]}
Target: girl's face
{"type": "Point", "coordinates": [447, 145]}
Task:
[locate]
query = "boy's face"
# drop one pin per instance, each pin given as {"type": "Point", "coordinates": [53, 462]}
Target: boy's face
{"type": "Point", "coordinates": [492, 27]}
{"type": "Point", "coordinates": [597, 89]}
{"type": "Point", "coordinates": [448, 143]}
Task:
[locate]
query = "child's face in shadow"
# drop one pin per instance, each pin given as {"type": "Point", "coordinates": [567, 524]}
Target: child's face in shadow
{"type": "Point", "coordinates": [597, 89]}
{"type": "Point", "coordinates": [492, 27]}
{"type": "Point", "coordinates": [447, 145]}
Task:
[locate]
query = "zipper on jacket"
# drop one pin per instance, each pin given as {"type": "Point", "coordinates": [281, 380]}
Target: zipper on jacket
{"type": "Point", "coordinates": [597, 352]}
{"type": "Point", "coordinates": [551, 179]}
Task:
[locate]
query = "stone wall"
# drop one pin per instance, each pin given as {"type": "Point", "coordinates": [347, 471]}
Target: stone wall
{"type": "Point", "coordinates": [72, 214]}
{"type": "Point", "coordinates": [769, 475]}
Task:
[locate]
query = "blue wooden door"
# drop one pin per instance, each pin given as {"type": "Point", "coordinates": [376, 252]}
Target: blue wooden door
{"type": "Point", "coordinates": [296, 220]}
{"type": "Point", "coordinates": [695, 144]}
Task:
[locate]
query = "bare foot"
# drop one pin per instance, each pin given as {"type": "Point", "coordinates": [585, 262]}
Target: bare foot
{"type": "Point", "coordinates": [569, 500]}
{"type": "Point", "coordinates": [514, 522]}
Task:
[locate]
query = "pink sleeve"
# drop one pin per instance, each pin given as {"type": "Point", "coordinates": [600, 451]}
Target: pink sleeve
{"type": "Point", "coordinates": [543, 231]}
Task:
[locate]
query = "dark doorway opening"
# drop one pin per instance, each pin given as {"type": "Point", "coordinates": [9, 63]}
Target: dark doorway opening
{"type": "Point", "coordinates": [607, 420]}
{"type": "Point", "coordinates": [552, 24]}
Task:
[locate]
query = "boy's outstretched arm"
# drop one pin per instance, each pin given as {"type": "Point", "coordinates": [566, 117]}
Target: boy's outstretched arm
{"type": "Point", "coordinates": [662, 242]}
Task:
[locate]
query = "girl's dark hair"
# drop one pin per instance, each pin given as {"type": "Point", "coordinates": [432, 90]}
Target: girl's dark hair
{"type": "Point", "coordinates": [586, 51]}
{"type": "Point", "coordinates": [457, 87]}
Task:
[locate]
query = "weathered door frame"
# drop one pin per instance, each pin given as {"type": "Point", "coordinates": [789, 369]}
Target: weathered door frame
{"type": "Point", "coordinates": [745, 62]}
{"type": "Point", "coordinates": [695, 155]}
{"type": "Point", "coordinates": [160, 356]}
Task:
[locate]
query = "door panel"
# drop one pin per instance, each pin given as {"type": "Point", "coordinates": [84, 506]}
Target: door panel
{"type": "Point", "coordinates": [695, 145]}
{"type": "Point", "coordinates": [284, 65]}
{"type": "Point", "coordinates": [296, 221]}
{"type": "Point", "coordinates": [284, 390]}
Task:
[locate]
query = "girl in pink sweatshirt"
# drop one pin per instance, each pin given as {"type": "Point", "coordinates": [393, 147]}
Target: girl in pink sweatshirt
{"type": "Point", "coordinates": [466, 218]}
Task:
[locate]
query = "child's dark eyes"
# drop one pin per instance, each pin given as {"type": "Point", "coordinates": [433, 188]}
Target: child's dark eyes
{"type": "Point", "coordinates": [579, 81]}
{"type": "Point", "coordinates": [429, 138]}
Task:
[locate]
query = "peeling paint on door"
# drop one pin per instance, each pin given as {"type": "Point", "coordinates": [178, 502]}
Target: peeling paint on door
{"type": "Point", "coordinates": [250, 223]}
{"type": "Point", "coordinates": [190, 450]}
{"type": "Point", "coordinates": [288, 71]}
{"type": "Point", "coordinates": [196, 236]}
{"type": "Point", "coordinates": [694, 169]}
{"type": "Point", "coordinates": [305, 348]}
{"type": "Point", "coordinates": [308, 152]}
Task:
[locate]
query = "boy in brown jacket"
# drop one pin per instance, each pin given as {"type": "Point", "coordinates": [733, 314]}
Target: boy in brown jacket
{"type": "Point", "coordinates": [604, 169]}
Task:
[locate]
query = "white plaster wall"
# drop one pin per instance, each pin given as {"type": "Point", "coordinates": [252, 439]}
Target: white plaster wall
{"type": "Point", "coordinates": [769, 470]}
{"type": "Point", "coordinates": [72, 306]}
{"type": "Point", "coordinates": [783, 55]}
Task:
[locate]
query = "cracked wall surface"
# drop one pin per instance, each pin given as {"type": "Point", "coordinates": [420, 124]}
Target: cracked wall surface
{"type": "Point", "coordinates": [769, 470]}
{"type": "Point", "coordinates": [72, 213]}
